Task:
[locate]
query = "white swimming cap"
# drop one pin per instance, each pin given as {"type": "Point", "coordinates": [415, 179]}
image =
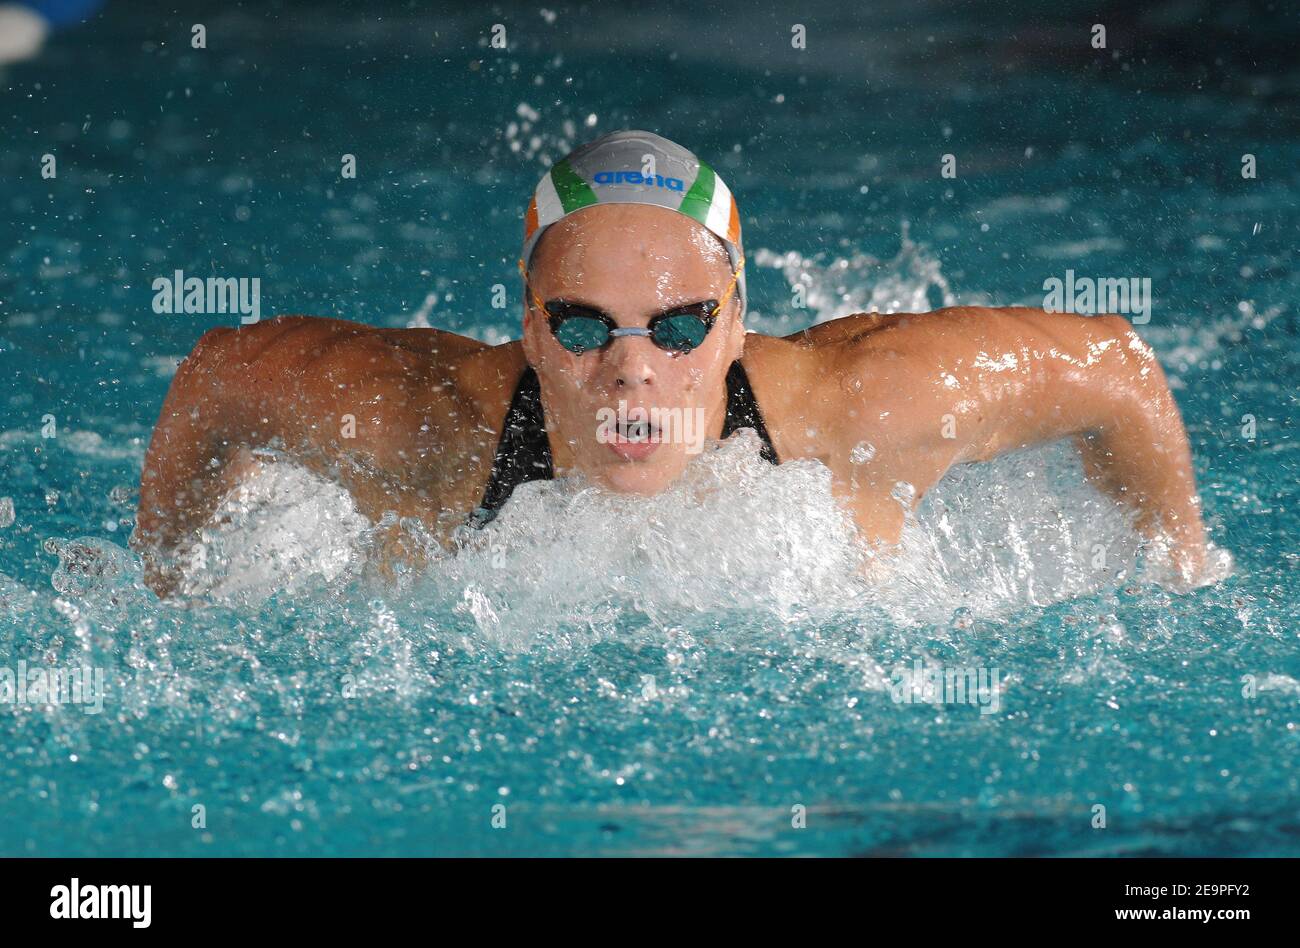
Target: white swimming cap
{"type": "Point", "coordinates": [635, 167]}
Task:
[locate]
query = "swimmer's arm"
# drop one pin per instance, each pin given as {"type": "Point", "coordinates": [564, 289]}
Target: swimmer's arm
{"type": "Point", "coordinates": [287, 383]}
{"type": "Point", "coordinates": [1137, 450]}
{"type": "Point", "coordinates": [185, 469]}
{"type": "Point", "coordinates": [1025, 377]}
{"type": "Point", "coordinates": [261, 385]}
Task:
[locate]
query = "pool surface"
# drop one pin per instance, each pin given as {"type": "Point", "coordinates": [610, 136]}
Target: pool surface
{"type": "Point", "coordinates": [707, 675]}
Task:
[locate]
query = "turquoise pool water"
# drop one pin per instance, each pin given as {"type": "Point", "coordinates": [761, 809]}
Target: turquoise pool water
{"type": "Point", "coordinates": [600, 680]}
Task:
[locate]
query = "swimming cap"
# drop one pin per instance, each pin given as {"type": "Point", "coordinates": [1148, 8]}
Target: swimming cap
{"type": "Point", "coordinates": [616, 169]}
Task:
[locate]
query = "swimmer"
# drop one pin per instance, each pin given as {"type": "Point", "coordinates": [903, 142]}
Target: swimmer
{"type": "Point", "coordinates": [633, 315]}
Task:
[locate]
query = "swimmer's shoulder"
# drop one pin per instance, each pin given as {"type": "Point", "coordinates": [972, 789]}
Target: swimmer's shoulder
{"type": "Point", "coordinates": [814, 362]}
{"type": "Point", "coordinates": [314, 366]}
{"type": "Point", "coordinates": [901, 338]}
{"type": "Point", "coordinates": [294, 337]}
{"type": "Point", "coordinates": [905, 361]}
{"type": "Point", "coordinates": [307, 347]}
{"type": "Point", "coordinates": [810, 382]}
{"type": "Point", "coordinates": [870, 330]}
{"type": "Point", "coordinates": [845, 329]}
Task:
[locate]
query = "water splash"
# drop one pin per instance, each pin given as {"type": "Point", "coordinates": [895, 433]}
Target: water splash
{"type": "Point", "coordinates": [912, 281]}
{"type": "Point", "coordinates": [733, 535]}
{"type": "Point", "coordinates": [282, 529]}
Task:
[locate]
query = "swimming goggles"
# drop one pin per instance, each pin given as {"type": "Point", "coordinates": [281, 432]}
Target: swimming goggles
{"type": "Point", "coordinates": [582, 328]}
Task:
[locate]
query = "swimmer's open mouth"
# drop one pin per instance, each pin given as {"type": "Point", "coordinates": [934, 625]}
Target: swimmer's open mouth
{"type": "Point", "coordinates": [635, 440]}
{"type": "Point", "coordinates": [637, 432]}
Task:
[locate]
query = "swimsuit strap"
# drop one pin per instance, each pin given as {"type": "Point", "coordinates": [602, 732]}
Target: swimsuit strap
{"type": "Point", "coordinates": [524, 453]}
{"type": "Point", "coordinates": [742, 410]}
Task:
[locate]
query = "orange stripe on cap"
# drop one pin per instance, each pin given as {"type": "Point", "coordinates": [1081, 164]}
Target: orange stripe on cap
{"type": "Point", "coordinates": [530, 218]}
{"type": "Point", "coordinates": [733, 223]}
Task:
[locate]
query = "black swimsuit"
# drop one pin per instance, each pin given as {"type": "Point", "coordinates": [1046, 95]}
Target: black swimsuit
{"type": "Point", "coordinates": [524, 453]}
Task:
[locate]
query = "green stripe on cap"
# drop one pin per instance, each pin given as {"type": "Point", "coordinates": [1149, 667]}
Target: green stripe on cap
{"type": "Point", "coordinates": [571, 189]}
{"type": "Point", "coordinates": [699, 198]}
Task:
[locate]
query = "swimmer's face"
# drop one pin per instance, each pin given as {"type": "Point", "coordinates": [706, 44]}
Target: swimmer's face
{"type": "Point", "coordinates": [631, 261]}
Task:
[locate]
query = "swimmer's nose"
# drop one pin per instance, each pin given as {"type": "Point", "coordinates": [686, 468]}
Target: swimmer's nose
{"type": "Point", "coordinates": [629, 362]}
{"type": "Point", "coordinates": [635, 375]}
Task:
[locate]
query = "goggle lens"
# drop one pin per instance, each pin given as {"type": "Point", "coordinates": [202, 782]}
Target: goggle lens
{"type": "Point", "coordinates": [580, 334]}
{"type": "Point", "coordinates": [680, 333]}
{"type": "Point", "coordinates": [677, 332]}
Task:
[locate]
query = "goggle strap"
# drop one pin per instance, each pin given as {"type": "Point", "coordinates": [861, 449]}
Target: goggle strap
{"type": "Point", "coordinates": [730, 286]}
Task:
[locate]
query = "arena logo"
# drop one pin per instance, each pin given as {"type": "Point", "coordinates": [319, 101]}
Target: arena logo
{"type": "Point", "coordinates": [654, 425]}
{"type": "Point", "coordinates": [103, 901]}
{"type": "Point", "coordinates": [182, 294]}
{"type": "Point", "coordinates": [39, 686]}
{"type": "Point", "coordinates": [636, 177]}
{"type": "Point", "coordinates": [1086, 296]}
{"type": "Point", "coordinates": [936, 684]}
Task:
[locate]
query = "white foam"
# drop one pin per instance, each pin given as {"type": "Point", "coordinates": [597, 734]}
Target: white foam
{"type": "Point", "coordinates": [282, 528]}
{"type": "Point", "coordinates": [733, 534]}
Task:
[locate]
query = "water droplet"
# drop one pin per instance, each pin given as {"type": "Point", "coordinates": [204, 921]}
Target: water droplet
{"type": "Point", "coordinates": [904, 493]}
{"type": "Point", "coordinates": [862, 453]}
